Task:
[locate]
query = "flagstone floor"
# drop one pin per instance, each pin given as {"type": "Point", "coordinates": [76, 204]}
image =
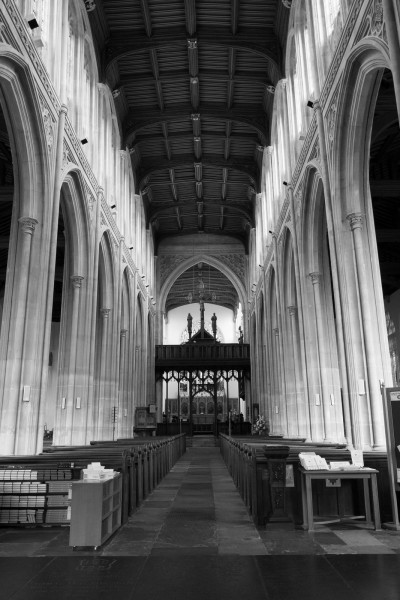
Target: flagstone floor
{"type": "Point", "coordinates": [193, 538]}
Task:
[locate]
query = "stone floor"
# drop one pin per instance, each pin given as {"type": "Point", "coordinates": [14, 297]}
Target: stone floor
{"type": "Point", "coordinates": [193, 538]}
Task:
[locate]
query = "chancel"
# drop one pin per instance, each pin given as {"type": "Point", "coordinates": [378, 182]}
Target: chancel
{"type": "Point", "coordinates": [200, 298]}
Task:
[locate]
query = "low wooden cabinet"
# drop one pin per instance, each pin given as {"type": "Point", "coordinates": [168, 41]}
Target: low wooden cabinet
{"type": "Point", "coordinates": [95, 511]}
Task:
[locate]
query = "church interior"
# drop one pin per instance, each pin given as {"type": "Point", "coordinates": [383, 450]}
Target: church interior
{"type": "Point", "coordinates": [200, 299]}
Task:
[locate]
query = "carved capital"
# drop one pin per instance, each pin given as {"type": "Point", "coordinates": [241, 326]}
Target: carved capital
{"type": "Point", "coordinates": [276, 331]}
{"type": "Point", "coordinates": [292, 310]}
{"type": "Point", "coordinates": [123, 333]}
{"type": "Point", "coordinates": [270, 89]}
{"type": "Point", "coordinates": [192, 44]}
{"type": "Point", "coordinates": [287, 3]}
{"type": "Point", "coordinates": [315, 277]}
{"type": "Point", "coordinates": [77, 281]}
{"type": "Point", "coordinates": [28, 224]}
{"type": "Point", "coordinates": [355, 220]}
{"type": "Point", "coordinates": [195, 116]}
{"type": "Point", "coordinates": [105, 312]}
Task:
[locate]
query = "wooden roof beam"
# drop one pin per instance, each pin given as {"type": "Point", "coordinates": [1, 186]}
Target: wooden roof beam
{"type": "Point", "coordinates": [199, 189]}
{"type": "Point", "coordinates": [250, 115]}
{"type": "Point", "coordinates": [230, 92]}
{"type": "Point", "coordinates": [193, 58]}
{"type": "Point", "coordinates": [180, 75]}
{"type": "Point", "coordinates": [197, 147]}
{"type": "Point", "coordinates": [221, 219]}
{"type": "Point", "coordinates": [122, 45]}
{"type": "Point", "coordinates": [232, 210]}
{"type": "Point", "coordinates": [144, 7]}
{"type": "Point", "coordinates": [194, 92]}
{"type": "Point", "coordinates": [235, 5]}
{"type": "Point", "coordinates": [190, 15]}
{"type": "Point", "coordinates": [224, 183]}
{"type": "Point", "coordinates": [178, 218]}
{"type": "Point", "coordinates": [237, 163]}
{"type": "Point", "coordinates": [196, 123]}
{"type": "Point", "coordinates": [166, 141]}
{"type": "Point", "coordinates": [173, 186]}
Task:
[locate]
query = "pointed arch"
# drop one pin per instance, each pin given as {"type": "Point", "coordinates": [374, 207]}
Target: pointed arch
{"type": "Point", "coordinates": [209, 260]}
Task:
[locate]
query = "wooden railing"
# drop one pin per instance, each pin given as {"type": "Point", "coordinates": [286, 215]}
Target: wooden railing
{"type": "Point", "coordinates": [235, 354]}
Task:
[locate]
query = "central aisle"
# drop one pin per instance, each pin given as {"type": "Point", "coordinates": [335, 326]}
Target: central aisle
{"type": "Point", "coordinates": [192, 539]}
{"type": "Point", "coordinates": [196, 509]}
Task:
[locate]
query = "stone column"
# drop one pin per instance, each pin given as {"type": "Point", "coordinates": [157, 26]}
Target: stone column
{"type": "Point", "coordinates": [13, 384]}
{"type": "Point", "coordinates": [321, 341]}
{"type": "Point", "coordinates": [356, 223]}
{"type": "Point", "coordinates": [102, 408]}
{"type": "Point", "coordinates": [280, 351]}
{"type": "Point", "coordinates": [301, 412]}
{"type": "Point", "coordinates": [138, 375]}
{"type": "Point", "coordinates": [277, 381]}
{"type": "Point", "coordinates": [389, 14]}
{"type": "Point", "coordinates": [350, 424]}
{"type": "Point", "coordinates": [92, 424]}
{"type": "Point", "coordinates": [52, 261]}
{"type": "Point", "coordinates": [122, 386]}
{"type": "Point", "coordinates": [285, 126]}
{"type": "Point", "coordinates": [70, 407]}
{"type": "Point", "coordinates": [313, 45]}
{"type": "Point", "coordinates": [300, 316]}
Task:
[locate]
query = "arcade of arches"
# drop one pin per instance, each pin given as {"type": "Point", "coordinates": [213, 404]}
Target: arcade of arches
{"type": "Point", "coordinates": [165, 163]}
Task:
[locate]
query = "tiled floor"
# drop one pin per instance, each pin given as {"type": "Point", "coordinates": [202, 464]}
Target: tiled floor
{"type": "Point", "coordinates": [193, 538]}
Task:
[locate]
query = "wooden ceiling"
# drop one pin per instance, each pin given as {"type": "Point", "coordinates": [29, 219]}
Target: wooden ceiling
{"type": "Point", "coordinates": [193, 82]}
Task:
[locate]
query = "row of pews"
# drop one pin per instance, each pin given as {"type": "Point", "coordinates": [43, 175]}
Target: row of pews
{"type": "Point", "coordinates": [266, 473]}
{"type": "Point", "coordinates": [142, 462]}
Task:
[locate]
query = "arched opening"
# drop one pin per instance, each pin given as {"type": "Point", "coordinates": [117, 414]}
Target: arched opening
{"type": "Point", "coordinates": [105, 400]}
{"type": "Point", "coordinates": [6, 204]}
{"type": "Point", "coordinates": [384, 181]}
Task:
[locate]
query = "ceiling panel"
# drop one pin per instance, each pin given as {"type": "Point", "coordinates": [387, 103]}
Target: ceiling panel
{"type": "Point", "coordinates": [194, 109]}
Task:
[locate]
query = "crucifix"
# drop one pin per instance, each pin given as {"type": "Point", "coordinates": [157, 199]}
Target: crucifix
{"type": "Point", "coordinates": [202, 317]}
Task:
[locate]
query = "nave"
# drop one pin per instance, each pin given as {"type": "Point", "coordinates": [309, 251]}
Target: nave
{"type": "Point", "coordinates": [193, 538]}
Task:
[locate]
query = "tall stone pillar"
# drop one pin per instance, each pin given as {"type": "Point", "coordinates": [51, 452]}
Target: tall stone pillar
{"type": "Point", "coordinates": [389, 13]}
{"type": "Point", "coordinates": [356, 223]}
{"type": "Point", "coordinates": [299, 316]}
{"type": "Point", "coordinates": [277, 396]}
{"type": "Point", "coordinates": [302, 416]}
{"type": "Point", "coordinates": [92, 408]}
{"type": "Point", "coordinates": [349, 411]}
{"type": "Point", "coordinates": [104, 411]}
{"type": "Point", "coordinates": [70, 400]}
{"type": "Point", "coordinates": [52, 251]}
{"type": "Point", "coordinates": [328, 418]}
{"type": "Point", "coordinates": [12, 405]}
{"type": "Point", "coordinates": [122, 399]}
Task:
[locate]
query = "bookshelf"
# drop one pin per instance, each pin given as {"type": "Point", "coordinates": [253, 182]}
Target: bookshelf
{"type": "Point", "coordinates": [95, 511]}
{"type": "Point", "coordinates": [40, 496]}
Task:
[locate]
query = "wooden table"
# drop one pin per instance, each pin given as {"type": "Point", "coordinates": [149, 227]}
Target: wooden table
{"type": "Point", "coordinates": [334, 479]}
